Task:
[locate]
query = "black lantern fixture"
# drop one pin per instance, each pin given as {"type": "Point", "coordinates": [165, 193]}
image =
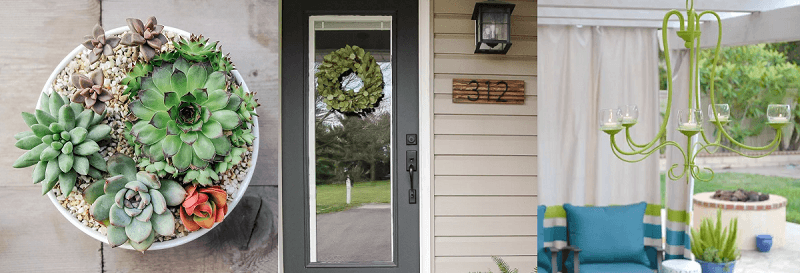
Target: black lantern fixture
{"type": "Point", "coordinates": [492, 26]}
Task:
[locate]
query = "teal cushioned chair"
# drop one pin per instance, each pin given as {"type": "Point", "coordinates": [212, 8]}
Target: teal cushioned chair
{"type": "Point", "coordinates": [612, 239]}
{"type": "Point", "coordinates": [547, 256]}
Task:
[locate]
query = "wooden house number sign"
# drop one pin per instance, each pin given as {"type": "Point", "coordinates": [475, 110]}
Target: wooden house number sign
{"type": "Point", "coordinates": [489, 91]}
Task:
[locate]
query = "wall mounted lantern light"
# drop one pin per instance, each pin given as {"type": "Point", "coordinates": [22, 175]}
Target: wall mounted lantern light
{"type": "Point", "coordinates": [492, 26]}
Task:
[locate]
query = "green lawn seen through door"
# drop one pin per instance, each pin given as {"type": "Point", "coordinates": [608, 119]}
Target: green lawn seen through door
{"type": "Point", "coordinates": [333, 197]}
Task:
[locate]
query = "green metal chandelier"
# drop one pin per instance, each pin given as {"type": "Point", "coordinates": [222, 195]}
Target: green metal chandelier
{"type": "Point", "coordinates": [690, 121]}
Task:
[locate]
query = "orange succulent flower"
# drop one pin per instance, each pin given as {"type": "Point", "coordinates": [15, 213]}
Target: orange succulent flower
{"type": "Point", "coordinates": [203, 207]}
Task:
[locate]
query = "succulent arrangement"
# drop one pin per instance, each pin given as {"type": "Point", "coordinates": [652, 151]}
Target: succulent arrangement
{"type": "Point", "coordinates": [149, 127]}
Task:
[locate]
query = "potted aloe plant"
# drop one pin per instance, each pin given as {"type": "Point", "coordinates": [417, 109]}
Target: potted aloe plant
{"type": "Point", "coordinates": [716, 248]}
{"type": "Point", "coordinates": [144, 136]}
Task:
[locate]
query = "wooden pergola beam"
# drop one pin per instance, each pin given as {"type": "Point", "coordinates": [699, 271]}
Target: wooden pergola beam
{"type": "Point", "coordinates": [663, 5]}
{"type": "Point", "coordinates": [772, 26]}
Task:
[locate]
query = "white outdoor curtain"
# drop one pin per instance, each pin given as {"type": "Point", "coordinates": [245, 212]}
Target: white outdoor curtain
{"type": "Point", "coordinates": [679, 193]}
{"type": "Point", "coordinates": [582, 70]}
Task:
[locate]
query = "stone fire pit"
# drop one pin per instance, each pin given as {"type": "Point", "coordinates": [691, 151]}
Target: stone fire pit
{"type": "Point", "coordinates": [755, 217]}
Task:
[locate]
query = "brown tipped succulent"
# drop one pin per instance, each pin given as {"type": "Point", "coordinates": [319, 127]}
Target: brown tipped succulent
{"type": "Point", "coordinates": [98, 44]}
{"type": "Point", "coordinates": [90, 91]}
{"type": "Point", "coordinates": [147, 36]}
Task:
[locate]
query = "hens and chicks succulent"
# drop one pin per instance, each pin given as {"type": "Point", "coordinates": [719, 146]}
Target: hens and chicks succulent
{"type": "Point", "coordinates": [189, 121]}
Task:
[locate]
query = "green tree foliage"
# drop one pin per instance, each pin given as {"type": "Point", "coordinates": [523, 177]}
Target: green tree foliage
{"type": "Point", "coordinates": [354, 146]}
{"type": "Point", "coordinates": [749, 78]}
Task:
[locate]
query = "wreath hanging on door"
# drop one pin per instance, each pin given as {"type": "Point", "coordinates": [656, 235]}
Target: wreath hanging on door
{"type": "Point", "coordinates": [342, 63]}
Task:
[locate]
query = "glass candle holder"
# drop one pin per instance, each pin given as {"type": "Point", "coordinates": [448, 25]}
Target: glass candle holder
{"type": "Point", "coordinates": [630, 114]}
{"type": "Point", "coordinates": [723, 112]}
{"type": "Point", "coordinates": [779, 113]}
{"type": "Point", "coordinates": [610, 119]}
{"type": "Point", "coordinates": [690, 120]}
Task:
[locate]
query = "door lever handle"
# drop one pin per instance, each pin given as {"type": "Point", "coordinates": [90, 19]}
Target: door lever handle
{"type": "Point", "coordinates": [411, 167]}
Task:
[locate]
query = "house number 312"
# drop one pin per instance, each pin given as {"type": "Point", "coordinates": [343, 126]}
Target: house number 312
{"type": "Point", "coordinates": [488, 90]}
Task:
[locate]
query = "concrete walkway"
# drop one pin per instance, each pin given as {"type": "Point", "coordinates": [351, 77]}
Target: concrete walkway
{"type": "Point", "coordinates": [785, 259]}
{"type": "Point", "coordinates": [788, 170]}
{"type": "Point", "coordinates": [360, 234]}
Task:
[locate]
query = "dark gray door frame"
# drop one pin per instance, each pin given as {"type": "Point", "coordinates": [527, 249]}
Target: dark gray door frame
{"type": "Point", "coordinates": [295, 75]}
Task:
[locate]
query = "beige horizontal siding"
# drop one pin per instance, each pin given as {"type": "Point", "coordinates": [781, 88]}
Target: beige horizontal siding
{"type": "Point", "coordinates": [485, 185]}
{"type": "Point", "coordinates": [443, 104]}
{"type": "Point", "coordinates": [479, 64]}
{"type": "Point", "coordinates": [522, 8]}
{"type": "Point", "coordinates": [484, 125]}
{"type": "Point", "coordinates": [485, 206]}
{"type": "Point", "coordinates": [465, 44]}
{"type": "Point", "coordinates": [485, 246]}
{"type": "Point", "coordinates": [485, 226]}
{"type": "Point", "coordinates": [525, 264]}
{"type": "Point", "coordinates": [485, 155]}
{"type": "Point", "coordinates": [463, 24]}
{"type": "Point", "coordinates": [484, 145]}
{"type": "Point", "coordinates": [485, 165]}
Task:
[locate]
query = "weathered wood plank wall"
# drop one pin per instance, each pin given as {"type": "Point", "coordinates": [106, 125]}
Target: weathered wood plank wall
{"type": "Point", "coordinates": [38, 34]}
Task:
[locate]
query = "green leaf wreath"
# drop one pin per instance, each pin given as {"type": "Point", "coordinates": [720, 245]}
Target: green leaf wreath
{"type": "Point", "coordinates": [340, 64]}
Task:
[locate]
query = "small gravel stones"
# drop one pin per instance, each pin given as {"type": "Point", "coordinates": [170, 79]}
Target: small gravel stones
{"type": "Point", "coordinates": [114, 70]}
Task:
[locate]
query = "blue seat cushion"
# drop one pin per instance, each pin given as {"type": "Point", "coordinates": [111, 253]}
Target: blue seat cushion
{"type": "Point", "coordinates": [617, 268]}
{"type": "Point", "coordinates": [613, 234]}
{"type": "Point", "coordinates": [542, 270]}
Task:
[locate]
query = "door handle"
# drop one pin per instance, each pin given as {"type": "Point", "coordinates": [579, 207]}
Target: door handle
{"type": "Point", "coordinates": [411, 167]}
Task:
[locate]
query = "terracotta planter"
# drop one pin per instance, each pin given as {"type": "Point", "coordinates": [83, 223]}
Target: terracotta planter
{"type": "Point", "coordinates": [237, 196]}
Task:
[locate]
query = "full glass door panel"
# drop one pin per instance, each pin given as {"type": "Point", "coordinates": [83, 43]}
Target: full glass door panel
{"type": "Point", "coordinates": [350, 156]}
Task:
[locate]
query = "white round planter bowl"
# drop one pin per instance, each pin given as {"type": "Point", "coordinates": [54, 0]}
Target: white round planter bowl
{"type": "Point", "coordinates": [237, 196]}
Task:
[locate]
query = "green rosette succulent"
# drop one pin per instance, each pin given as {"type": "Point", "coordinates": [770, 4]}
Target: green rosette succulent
{"type": "Point", "coordinates": [62, 143]}
{"type": "Point", "coordinates": [134, 205]}
{"type": "Point", "coordinates": [183, 110]}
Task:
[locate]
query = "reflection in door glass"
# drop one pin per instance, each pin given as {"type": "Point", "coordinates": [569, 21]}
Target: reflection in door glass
{"type": "Point", "coordinates": [351, 182]}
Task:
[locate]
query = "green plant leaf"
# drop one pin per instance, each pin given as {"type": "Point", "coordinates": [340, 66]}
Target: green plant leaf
{"type": "Point", "coordinates": [81, 165]}
{"type": "Point", "coordinates": [150, 135]}
{"type": "Point", "coordinates": [29, 142]}
{"type": "Point", "coordinates": [228, 119]}
{"type": "Point", "coordinates": [116, 236]}
{"type": "Point", "coordinates": [101, 205]}
{"type": "Point", "coordinates": [67, 182]}
{"type": "Point", "coordinates": [86, 148]}
{"type": "Point", "coordinates": [98, 132]}
{"type": "Point", "coordinates": [179, 83]}
{"type": "Point", "coordinates": [183, 158]}
{"type": "Point", "coordinates": [211, 129]}
{"type": "Point", "coordinates": [65, 162]}
{"type": "Point", "coordinates": [164, 224]}
{"type": "Point", "coordinates": [203, 148]}
{"type": "Point", "coordinates": [172, 192]}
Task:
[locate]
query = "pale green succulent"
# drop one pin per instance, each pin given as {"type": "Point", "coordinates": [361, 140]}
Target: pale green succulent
{"type": "Point", "coordinates": [62, 143]}
{"type": "Point", "coordinates": [183, 110]}
{"type": "Point", "coordinates": [134, 205]}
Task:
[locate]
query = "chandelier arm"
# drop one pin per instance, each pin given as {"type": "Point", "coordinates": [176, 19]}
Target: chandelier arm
{"type": "Point", "coordinates": [663, 127]}
{"type": "Point", "coordinates": [630, 140]}
{"type": "Point", "coordinates": [711, 88]}
{"type": "Point", "coordinates": [672, 175]}
{"type": "Point", "coordinates": [773, 145]}
{"type": "Point", "coordinates": [696, 171]}
{"type": "Point", "coordinates": [620, 153]}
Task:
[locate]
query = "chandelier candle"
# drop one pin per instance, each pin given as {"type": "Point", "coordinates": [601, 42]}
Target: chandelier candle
{"type": "Point", "coordinates": [690, 121]}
